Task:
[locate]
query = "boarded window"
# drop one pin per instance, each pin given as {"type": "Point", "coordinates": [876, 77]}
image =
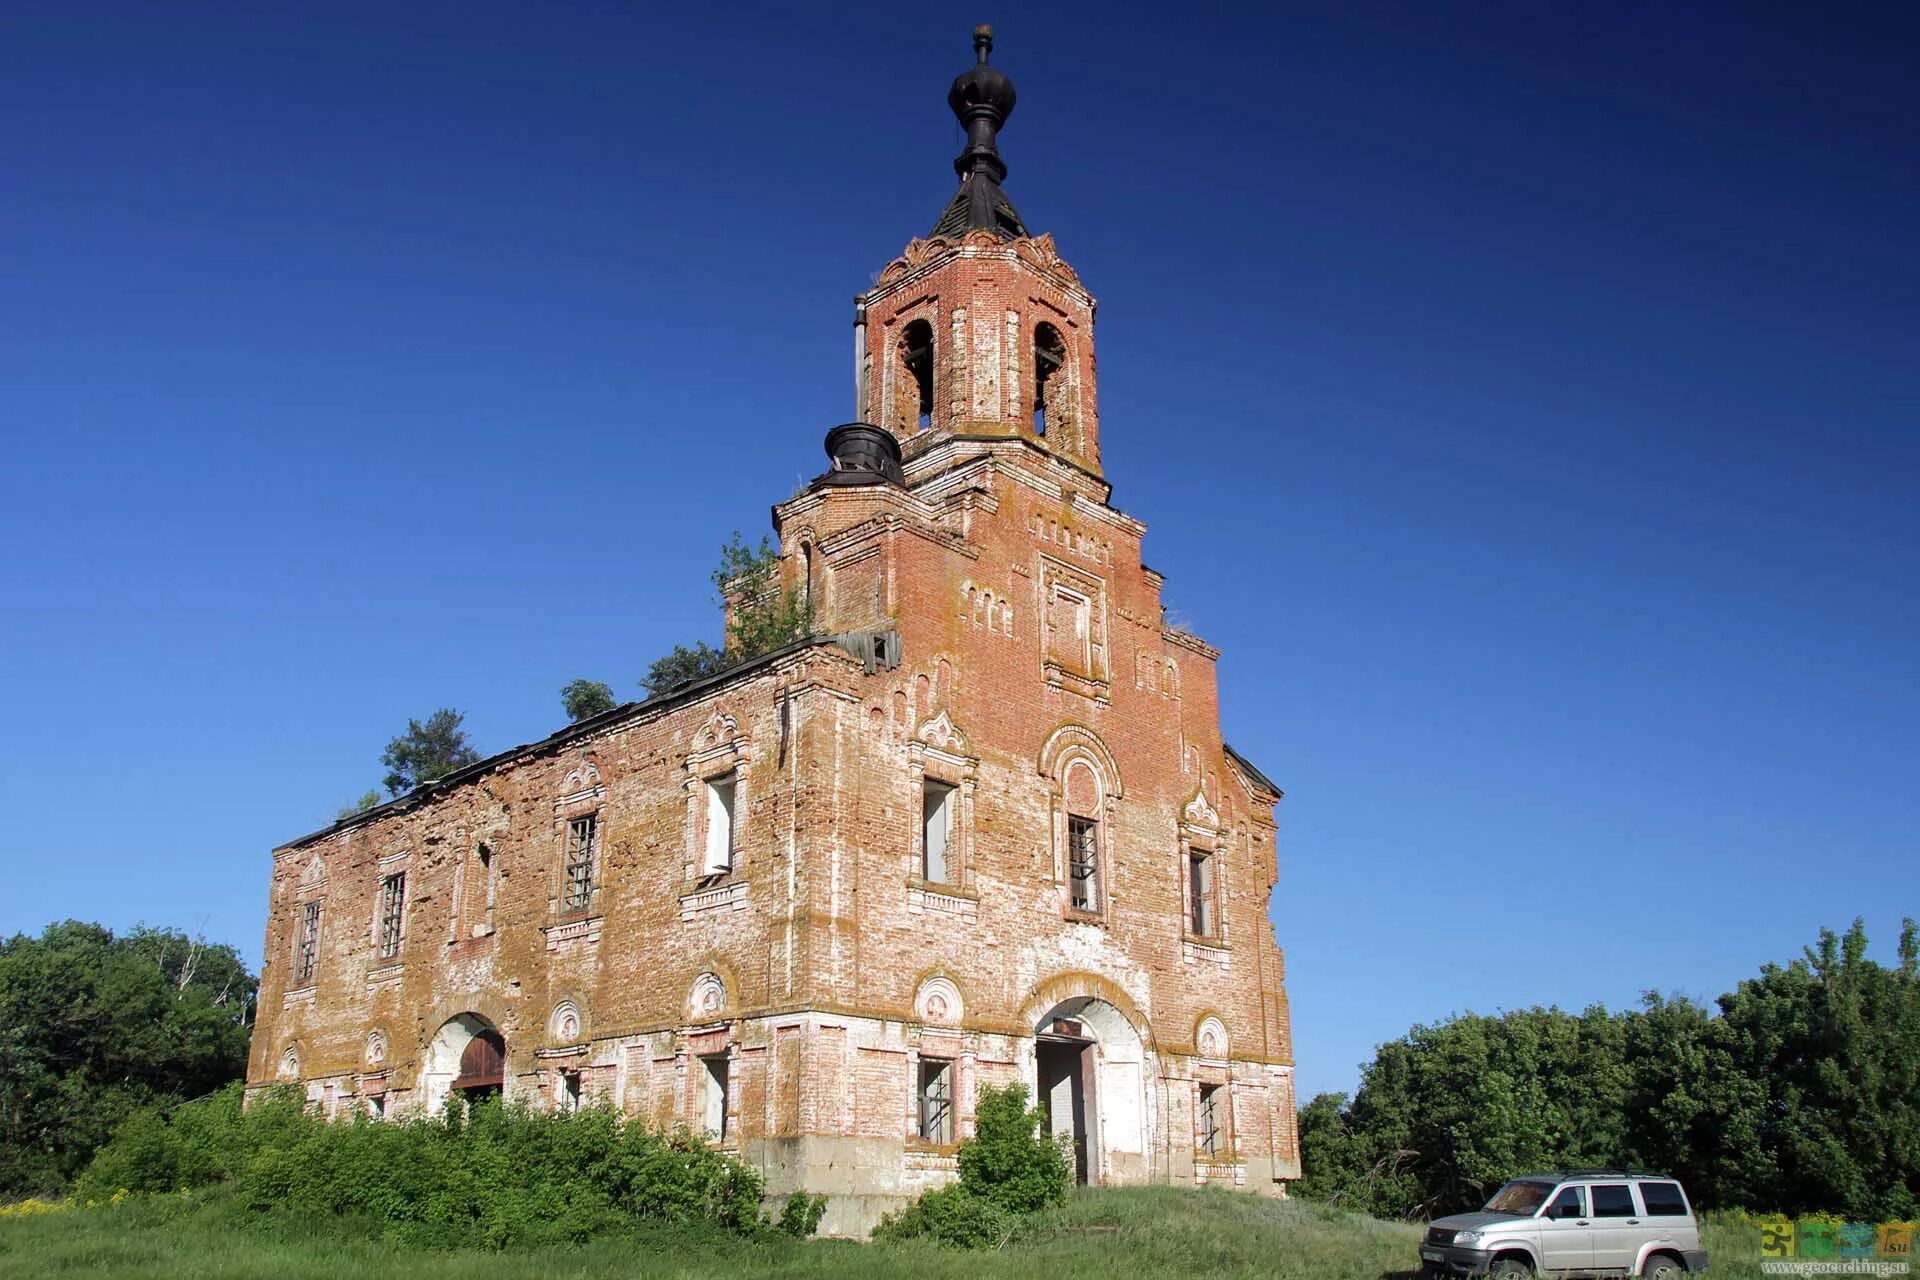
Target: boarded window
{"type": "Point", "coordinates": [936, 831]}
{"type": "Point", "coordinates": [1213, 1119]}
{"type": "Point", "coordinates": [393, 895]}
{"type": "Point", "coordinates": [1083, 863]}
{"type": "Point", "coordinates": [1200, 893]}
{"type": "Point", "coordinates": [583, 835]}
{"type": "Point", "coordinates": [306, 955]}
{"type": "Point", "coordinates": [713, 1099]}
{"type": "Point", "coordinates": [718, 857]}
{"type": "Point", "coordinates": [936, 1100]}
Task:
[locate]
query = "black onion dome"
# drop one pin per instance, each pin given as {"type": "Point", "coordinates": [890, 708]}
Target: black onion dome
{"type": "Point", "coordinates": [982, 99]}
{"type": "Point", "coordinates": [982, 85]}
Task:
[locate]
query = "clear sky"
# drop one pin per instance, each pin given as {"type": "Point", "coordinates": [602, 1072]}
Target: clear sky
{"type": "Point", "coordinates": [1523, 396]}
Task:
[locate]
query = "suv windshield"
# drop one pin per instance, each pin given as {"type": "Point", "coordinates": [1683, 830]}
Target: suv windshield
{"type": "Point", "coordinates": [1520, 1198]}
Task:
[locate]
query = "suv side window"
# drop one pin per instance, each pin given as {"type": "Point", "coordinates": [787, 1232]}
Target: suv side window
{"type": "Point", "coordinates": [1663, 1200]}
{"type": "Point", "coordinates": [1612, 1200]}
{"type": "Point", "coordinates": [1570, 1203]}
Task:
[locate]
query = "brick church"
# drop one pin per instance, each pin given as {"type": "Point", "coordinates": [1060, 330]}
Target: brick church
{"type": "Point", "coordinates": [982, 828]}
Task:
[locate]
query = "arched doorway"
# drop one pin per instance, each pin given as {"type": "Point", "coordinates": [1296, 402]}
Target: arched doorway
{"type": "Point", "coordinates": [1089, 1082]}
{"type": "Point", "coordinates": [467, 1058]}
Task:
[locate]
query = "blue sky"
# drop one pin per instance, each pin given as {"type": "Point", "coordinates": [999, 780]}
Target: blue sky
{"type": "Point", "coordinates": [1523, 398]}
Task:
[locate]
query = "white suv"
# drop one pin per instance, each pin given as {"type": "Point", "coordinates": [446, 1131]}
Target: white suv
{"type": "Point", "coordinates": [1581, 1222]}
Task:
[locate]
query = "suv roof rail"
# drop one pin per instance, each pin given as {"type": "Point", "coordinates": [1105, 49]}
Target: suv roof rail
{"type": "Point", "coordinates": [1611, 1173]}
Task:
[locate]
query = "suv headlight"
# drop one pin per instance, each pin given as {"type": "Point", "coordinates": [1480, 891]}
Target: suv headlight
{"type": "Point", "coordinates": [1467, 1237]}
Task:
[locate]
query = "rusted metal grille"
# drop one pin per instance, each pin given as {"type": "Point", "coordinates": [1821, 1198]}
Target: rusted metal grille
{"type": "Point", "coordinates": [307, 956]}
{"type": "Point", "coordinates": [393, 890]}
{"type": "Point", "coordinates": [1200, 893]}
{"type": "Point", "coordinates": [1213, 1129]}
{"type": "Point", "coordinates": [936, 1100]}
{"type": "Point", "coordinates": [582, 834]}
{"type": "Point", "coordinates": [1083, 863]}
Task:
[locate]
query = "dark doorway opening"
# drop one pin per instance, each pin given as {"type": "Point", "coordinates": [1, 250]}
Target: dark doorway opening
{"type": "Point", "coordinates": [1066, 1096]}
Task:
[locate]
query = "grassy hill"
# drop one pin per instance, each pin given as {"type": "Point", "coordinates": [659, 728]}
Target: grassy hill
{"type": "Point", "coordinates": [1097, 1235]}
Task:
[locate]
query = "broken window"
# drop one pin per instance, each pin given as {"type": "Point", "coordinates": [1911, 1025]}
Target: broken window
{"type": "Point", "coordinates": [1049, 353]}
{"type": "Point", "coordinates": [480, 893]}
{"type": "Point", "coordinates": [569, 1091]}
{"type": "Point", "coordinates": [916, 364]}
{"type": "Point", "coordinates": [1083, 863]}
{"type": "Point", "coordinates": [306, 955]}
{"type": "Point", "coordinates": [393, 890]}
{"type": "Point", "coordinates": [714, 1097]}
{"type": "Point", "coordinates": [376, 1106]}
{"type": "Point", "coordinates": [718, 858]}
{"type": "Point", "coordinates": [582, 836]}
{"type": "Point", "coordinates": [936, 830]}
{"type": "Point", "coordinates": [1200, 893]}
{"type": "Point", "coordinates": [1213, 1119]}
{"type": "Point", "coordinates": [936, 1100]}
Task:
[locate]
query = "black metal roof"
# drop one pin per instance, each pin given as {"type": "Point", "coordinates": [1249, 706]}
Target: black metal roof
{"type": "Point", "coordinates": [1258, 778]}
{"type": "Point", "coordinates": [982, 98]}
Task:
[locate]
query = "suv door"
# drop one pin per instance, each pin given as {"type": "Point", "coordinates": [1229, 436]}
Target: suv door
{"type": "Point", "coordinates": [1617, 1230]}
{"type": "Point", "coordinates": [1566, 1233]}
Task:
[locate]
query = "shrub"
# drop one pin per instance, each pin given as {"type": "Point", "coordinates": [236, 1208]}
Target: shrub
{"type": "Point", "coordinates": [1006, 1170]}
{"type": "Point", "coordinates": [499, 1176]}
{"type": "Point", "coordinates": [801, 1216]}
{"type": "Point", "coordinates": [952, 1215]}
{"type": "Point", "coordinates": [1008, 1162]}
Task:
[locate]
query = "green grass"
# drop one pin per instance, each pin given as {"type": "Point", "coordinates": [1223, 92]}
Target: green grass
{"type": "Point", "coordinates": [1098, 1235]}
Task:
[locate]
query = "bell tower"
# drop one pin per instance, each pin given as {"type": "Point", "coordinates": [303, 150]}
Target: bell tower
{"type": "Point", "coordinates": [980, 329]}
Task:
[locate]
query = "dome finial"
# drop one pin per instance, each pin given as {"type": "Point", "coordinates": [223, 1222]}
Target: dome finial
{"type": "Point", "coordinates": [982, 43]}
{"type": "Point", "coordinates": [982, 98]}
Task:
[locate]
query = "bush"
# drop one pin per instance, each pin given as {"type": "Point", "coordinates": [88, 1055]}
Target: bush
{"type": "Point", "coordinates": [952, 1215]}
{"type": "Point", "coordinates": [503, 1175]}
{"type": "Point", "coordinates": [1007, 1170]}
{"type": "Point", "coordinates": [1008, 1162]}
{"type": "Point", "coordinates": [801, 1216]}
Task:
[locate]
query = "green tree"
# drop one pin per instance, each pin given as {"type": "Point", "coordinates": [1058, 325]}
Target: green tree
{"type": "Point", "coordinates": [429, 749]}
{"type": "Point", "coordinates": [1833, 1040]}
{"type": "Point", "coordinates": [584, 698]}
{"type": "Point", "coordinates": [369, 799]}
{"type": "Point", "coordinates": [1801, 1094]}
{"type": "Point", "coordinates": [763, 614]}
{"type": "Point", "coordinates": [683, 666]}
{"type": "Point", "coordinates": [93, 1027]}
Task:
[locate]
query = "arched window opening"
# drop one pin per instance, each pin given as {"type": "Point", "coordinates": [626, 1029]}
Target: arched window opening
{"type": "Point", "coordinates": [916, 362]}
{"type": "Point", "coordinates": [1049, 354]}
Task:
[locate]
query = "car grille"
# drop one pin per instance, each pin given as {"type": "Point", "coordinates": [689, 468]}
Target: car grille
{"type": "Point", "coordinates": [1440, 1235]}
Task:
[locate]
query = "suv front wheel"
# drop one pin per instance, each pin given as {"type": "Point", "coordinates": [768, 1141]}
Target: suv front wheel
{"type": "Point", "coordinates": [1509, 1269]}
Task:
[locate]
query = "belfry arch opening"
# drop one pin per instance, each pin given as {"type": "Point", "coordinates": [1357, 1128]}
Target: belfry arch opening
{"type": "Point", "coordinates": [1049, 357]}
{"type": "Point", "coordinates": [915, 352]}
{"type": "Point", "coordinates": [467, 1058]}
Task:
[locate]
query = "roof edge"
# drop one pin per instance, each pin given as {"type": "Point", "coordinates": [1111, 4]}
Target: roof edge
{"type": "Point", "coordinates": [1253, 773]}
{"type": "Point", "coordinates": [579, 729]}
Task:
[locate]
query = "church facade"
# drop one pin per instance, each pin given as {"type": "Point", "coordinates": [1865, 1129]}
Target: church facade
{"type": "Point", "coordinates": [981, 829]}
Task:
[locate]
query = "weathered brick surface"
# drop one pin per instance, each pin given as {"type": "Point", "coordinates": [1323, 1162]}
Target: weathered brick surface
{"type": "Point", "coordinates": [1039, 679]}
